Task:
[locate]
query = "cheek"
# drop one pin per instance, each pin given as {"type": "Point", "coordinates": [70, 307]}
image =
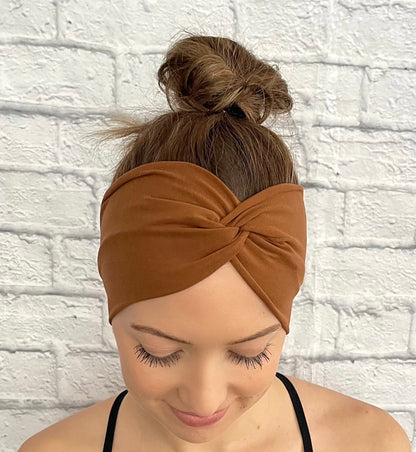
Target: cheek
{"type": "Point", "coordinates": [252, 384]}
{"type": "Point", "coordinates": [141, 379]}
{"type": "Point", "coordinates": [147, 385]}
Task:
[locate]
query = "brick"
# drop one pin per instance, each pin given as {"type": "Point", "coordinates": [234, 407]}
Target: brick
{"type": "Point", "coordinates": [389, 98]}
{"type": "Point", "coordinates": [353, 158]}
{"type": "Point", "coordinates": [28, 140]}
{"type": "Point", "coordinates": [319, 93]}
{"type": "Point", "coordinates": [28, 19]}
{"type": "Point", "coordinates": [77, 263]}
{"type": "Point", "coordinates": [412, 340]}
{"type": "Point", "coordinates": [128, 23]}
{"type": "Point", "coordinates": [308, 286]}
{"type": "Point", "coordinates": [297, 30]}
{"type": "Point", "coordinates": [374, 333]}
{"type": "Point", "coordinates": [25, 260]}
{"type": "Point", "coordinates": [381, 214]}
{"type": "Point", "coordinates": [361, 272]}
{"type": "Point", "coordinates": [325, 215]}
{"type": "Point", "coordinates": [137, 83]}
{"type": "Point", "coordinates": [31, 381]}
{"type": "Point", "coordinates": [29, 319]}
{"type": "Point", "coordinates": [76, 384]}
{"type": "Point", "coordinates": [359, 28]}
{"type": "Point", "coordinates": [78, 150]}
{"type": "Point", "coordinates": [370, 380]}
{"type": "Point", "coordinates": [46, 200]}
{"type": "Point", "coordinates": [56, 76]}
{"type": "Point", "coordinates": [313, 331]}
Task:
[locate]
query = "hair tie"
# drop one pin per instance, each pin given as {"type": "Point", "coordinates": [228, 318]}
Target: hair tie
{"type": "Point", "coordinates": [236, 111]}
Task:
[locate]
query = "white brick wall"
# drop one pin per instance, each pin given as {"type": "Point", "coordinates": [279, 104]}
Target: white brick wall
{"type": "Point", "coordinates": [351, 68]}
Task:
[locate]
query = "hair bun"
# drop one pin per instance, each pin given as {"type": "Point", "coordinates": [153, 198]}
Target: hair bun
{"type": "Point", "coordinates": [211, 74]}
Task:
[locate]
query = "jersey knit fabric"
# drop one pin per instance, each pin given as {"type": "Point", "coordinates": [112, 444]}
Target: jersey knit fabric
{"type": "Point", "coordinates": [303, 425]}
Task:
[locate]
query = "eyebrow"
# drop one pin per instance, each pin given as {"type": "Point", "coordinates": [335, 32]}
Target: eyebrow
{"type": "Point", "coordinates": [155, 332]}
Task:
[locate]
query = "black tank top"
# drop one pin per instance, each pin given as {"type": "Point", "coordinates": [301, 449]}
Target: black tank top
{"type": "Point", "coordinates": [303, 426]}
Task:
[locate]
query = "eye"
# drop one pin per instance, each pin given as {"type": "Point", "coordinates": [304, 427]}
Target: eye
{"type": "Point", "coordinates": [170, 360]}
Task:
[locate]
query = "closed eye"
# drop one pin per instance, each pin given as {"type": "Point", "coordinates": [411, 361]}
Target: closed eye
{"type": "Point", "coordinates": [171, 360]}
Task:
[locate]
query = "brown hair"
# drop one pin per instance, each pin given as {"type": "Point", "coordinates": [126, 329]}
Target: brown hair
{"type": "Point", "coordinates": [201, 77]}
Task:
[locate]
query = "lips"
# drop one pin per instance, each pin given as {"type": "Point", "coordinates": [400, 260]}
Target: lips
{"type": "Point", "coordinates": [197, 415]}
{"type": "Point", "coordinates": [194, 420]}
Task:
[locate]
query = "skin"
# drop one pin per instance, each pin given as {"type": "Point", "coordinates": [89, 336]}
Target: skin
{"type": "Point", "coordinates": [220, 309]}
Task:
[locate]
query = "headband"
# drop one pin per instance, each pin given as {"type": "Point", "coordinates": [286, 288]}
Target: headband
{"type": "Point", "coordinates": [167, 225]}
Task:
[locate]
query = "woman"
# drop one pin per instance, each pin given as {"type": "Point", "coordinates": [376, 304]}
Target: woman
{"type": "Point", "coordinates": [203, 241]}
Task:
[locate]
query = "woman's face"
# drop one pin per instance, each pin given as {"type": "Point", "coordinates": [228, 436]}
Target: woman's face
{"type": "Point", "coordinates": [209, 373]}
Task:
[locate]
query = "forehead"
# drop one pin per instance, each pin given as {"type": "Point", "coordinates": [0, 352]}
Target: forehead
{"type": "Point", "coordinates": [223, 296]}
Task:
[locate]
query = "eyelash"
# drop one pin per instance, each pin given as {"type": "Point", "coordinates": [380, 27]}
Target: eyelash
{"type": "Point", "coordinates": [174, 358]}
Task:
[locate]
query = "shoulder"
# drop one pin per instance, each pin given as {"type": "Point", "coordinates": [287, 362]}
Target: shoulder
{"type": "Point", "coordinates": [88, 425]}
{"type": "Point", "coordinates": [339, 422]}
{"type": "Point", "coordinates": [387, 434]}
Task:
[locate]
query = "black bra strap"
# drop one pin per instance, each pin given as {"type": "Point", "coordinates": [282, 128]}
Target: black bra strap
{"type": "Point", "coordinates": [303, 425]}
{"type": "Point", "coordinates": [112, 419]}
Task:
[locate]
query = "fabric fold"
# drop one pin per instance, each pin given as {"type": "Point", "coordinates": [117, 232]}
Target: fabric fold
{"type": "Point", "coordinates": [167, 225]}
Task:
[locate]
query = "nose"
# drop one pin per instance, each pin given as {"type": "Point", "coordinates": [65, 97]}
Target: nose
{"type": "Point", "coordinates": [203, 392]}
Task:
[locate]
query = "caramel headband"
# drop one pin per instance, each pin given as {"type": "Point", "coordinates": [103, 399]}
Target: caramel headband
{"type": "Point", "coordinates": [167, 225]}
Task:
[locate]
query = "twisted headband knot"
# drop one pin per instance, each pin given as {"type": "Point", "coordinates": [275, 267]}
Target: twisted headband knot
{"type": "Point", "coordinates": [167, 225]}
